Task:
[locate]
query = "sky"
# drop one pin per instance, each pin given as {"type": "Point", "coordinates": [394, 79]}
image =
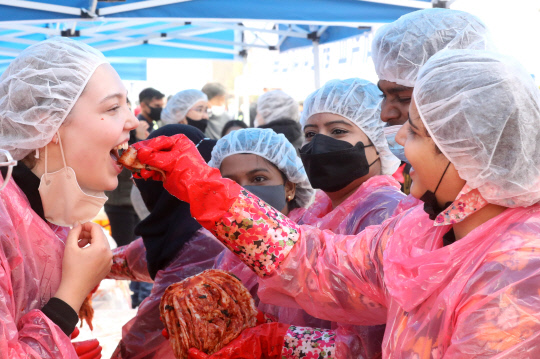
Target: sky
{"type": "Point", "coordinates": [514, 25]}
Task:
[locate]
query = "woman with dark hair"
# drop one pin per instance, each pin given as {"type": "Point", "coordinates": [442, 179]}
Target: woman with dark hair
{"type": "Point", "coordinates": [233, 125]}
{"type": "Point", "coordinates": [265, 163]}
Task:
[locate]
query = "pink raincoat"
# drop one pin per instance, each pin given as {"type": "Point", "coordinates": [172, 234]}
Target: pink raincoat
{"type": "Point", "coordinates": [31, 253]}
{"type": "Point", "coordinates": [476, 298]}
{"type": "Point", "coordinates": [142, 336]}
{"type": "Point", "coordinates": [376, 200]}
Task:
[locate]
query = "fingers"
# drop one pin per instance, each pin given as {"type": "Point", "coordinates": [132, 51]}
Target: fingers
{"type": "Point", "coordinates": [94, 354]}
{"type": "Point", "coordinates": [86, 346]}
{"type": "Point", "coordinates": [83, 242]}
{"type": "Point", "coordinates": [74, 235]}
{"type": "Point", "coordinates": [75, 333]}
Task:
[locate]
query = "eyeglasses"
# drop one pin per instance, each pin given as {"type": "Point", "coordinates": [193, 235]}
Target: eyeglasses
{"type": "Point", "coordinates": [10, 163]}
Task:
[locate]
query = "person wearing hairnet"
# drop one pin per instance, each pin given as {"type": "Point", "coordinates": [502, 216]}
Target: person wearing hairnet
{"type": "Point", "coordinates": [347, 157]}
{"type": "Point", "coordinates": [266, 164]}
{"type": "Point", "coordinates": [401, 48]}
{"type": "Point", "coordinates": [189, 107]}
{"type": "Point", "coordinates": [63, 116]}
{"type": "Point", "coordinates": [172, 247]}
{"type": "Point", "coordinates": [280, 112]}
{"type": "Point", "coordinates": [455, 278]}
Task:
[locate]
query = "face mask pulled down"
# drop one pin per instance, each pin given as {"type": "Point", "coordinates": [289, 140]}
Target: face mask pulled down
{"type": "Point", "coordinates": [332, 165]}
{"type": "Point", "coordinates": [64, 202]}
{"type": "Point", "coordinates": [431, 205]}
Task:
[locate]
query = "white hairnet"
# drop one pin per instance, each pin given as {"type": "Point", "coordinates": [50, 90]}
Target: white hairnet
{"type": "Point", "coordinates": [39, 89]}
{"type": "Point", "coordinates": [482, 109]}
{"type": "Point", "coordinates": [180, 104]}
{"type": "Point", "coordinates": [272, 146]}
{"type": "Point", "coordinates": [400, 48]}
{"type": "Point", "coordinates": [359, 101]}
{"type": "Point", "coordinates": [277, 105]}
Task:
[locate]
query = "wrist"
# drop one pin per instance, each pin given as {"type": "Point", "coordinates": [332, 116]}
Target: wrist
{"type": "Point", "coordinates": [71, 296]}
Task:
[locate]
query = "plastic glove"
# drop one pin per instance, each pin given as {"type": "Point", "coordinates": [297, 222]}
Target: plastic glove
{"type": "Point", "coordinates": [263, 341]}
{"type": "Point", "coordinates": [75, 333]}
{"type": "Point", "coordinates": [88, 349]}
{"type": "Point", "coordinates": [188, 177]}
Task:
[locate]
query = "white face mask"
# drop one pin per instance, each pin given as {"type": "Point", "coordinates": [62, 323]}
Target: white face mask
{"type": "Point", "coordinates": [64, 202]}
{"type": "Point", "coordinates": [8, 163]}
{"type": "Point", "coordinates": [218, 110]}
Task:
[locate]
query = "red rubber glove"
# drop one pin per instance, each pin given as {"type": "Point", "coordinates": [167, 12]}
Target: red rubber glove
{"type": "Point", "coordinates": [75, 333]}
{"type": "Point", "coordinates": [263, 341]}
{"type": "Point", "coordinates": [188, 177]}
{"type": "Point", "coordinates": [88, 349]}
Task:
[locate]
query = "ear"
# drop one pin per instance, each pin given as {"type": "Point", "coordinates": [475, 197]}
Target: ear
{"type": "Point", "coordinates": [290, 191]}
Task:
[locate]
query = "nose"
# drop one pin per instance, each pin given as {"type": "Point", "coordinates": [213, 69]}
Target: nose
{"type": "Point", "coordinates": [389, 112]}
{"type": "Point", "coordinates": [205, 115]}
{"type": "Point", "coordinates": [132, 122]}
{"type": "Point", "coordinates": [401, 135]}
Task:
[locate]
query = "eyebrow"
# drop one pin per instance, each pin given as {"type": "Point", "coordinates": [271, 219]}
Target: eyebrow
{"type": "Point", "coordinates": [257, 170]}
{"type": "Point", "coordinates": [340, 122]}
{"type": "Point", "coordinates": [118, 95]}
{"type": "Point", "coordinates": [396, 89]}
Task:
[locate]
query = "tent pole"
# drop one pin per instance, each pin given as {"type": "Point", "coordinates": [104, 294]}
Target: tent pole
{"type": "Point", "coordinates": [316, 64]}
{"type": "Point", "coordinates": [245, 94]}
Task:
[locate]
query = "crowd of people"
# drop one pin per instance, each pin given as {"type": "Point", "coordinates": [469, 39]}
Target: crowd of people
{"type": "Point", "coordinates": [389, 220]}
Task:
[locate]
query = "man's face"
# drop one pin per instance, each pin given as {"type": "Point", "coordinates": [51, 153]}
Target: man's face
{"type": "Point", "coordinates": [395, 105]}
{"type": "Point", "coordinates": [156, 103]}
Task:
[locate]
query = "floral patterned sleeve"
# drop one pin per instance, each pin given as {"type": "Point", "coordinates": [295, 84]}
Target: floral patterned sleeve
{"type": "Point", "coordinates": [303, 342]}
{"type": "Point", "coordinates": [331, 277]}
{"type": "Point", "coordinates": [129, 263]}
{"type": "Point", "coordinates": [259, 235]}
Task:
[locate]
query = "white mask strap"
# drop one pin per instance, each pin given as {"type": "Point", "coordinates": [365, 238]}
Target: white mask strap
{"type": "Point", "coordinates": [61, 151]}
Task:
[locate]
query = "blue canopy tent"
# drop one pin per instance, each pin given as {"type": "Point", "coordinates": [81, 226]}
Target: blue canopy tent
{"type": "Point", "coordinates": [130, 31]}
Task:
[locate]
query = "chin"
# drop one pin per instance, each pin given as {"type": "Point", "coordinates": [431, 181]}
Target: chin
{"type": "Point", "coordinates": [111, 185]}
{"type": "Point", "coordinates": [416, 192]}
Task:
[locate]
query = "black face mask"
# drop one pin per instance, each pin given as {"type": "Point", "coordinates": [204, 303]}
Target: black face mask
{"type": "Point", "coordinates": [155, 113]}
{"type": "Point", "coordinates": [431, 206]}
{"type": "Point", "coordinates": [201, 124]}
{"type": "Point", "coordinates": [332, 165]}
{"type": "Point", "coordinates": [273, 195]}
